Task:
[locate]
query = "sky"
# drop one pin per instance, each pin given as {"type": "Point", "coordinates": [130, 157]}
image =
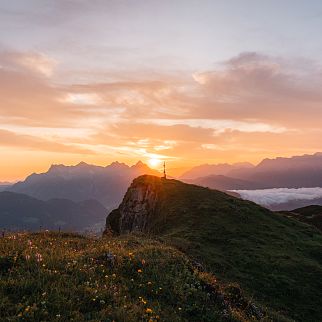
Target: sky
{"type": "Point", "coordinates": [185, 81]}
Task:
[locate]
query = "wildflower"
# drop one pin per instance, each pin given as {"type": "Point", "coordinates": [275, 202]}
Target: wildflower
{"type": "Point", "coordinates": [139, 270]}
{"type": "Point", "coordinates": [148, 310]}
{"type": "Point", "coordinates": [142, 300]}
{"type": "Point", "coordinates": [39, 257]}
{"type": "Point", "coordinates": [149, 283]}
{"type": "Point", "coordinates": [114, 275]}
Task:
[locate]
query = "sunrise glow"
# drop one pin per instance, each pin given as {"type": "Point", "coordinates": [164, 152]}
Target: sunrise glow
{"type": "Point", "coordinates": [214, 86]}
{"type": "Point", "coordinates": [154, 163]}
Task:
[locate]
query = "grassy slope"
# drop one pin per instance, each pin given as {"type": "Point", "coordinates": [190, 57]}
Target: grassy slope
{"type": "Point", "coordinates": [311, 215]}
{"type": "Point", "coordinates": [64, 277]}
{"type": "Point", "coordinates": [276, 259]}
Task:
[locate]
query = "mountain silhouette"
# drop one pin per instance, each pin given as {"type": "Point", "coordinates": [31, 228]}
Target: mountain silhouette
{"type": "Point", "coordinates": [83, 181]}
{"type": "Point", "coordinates": [204, 170]}
{"type": "Point", "coordinates": [294, 172]}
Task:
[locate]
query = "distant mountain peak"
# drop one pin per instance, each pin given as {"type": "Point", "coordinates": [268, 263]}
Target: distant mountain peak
{"type": "Point", "coordinates": [82, 164]}
{"type": "Point", "coordinates": [56, 166]}
{"type": "Point", "coordinates": [140, 164]}
{"type": "Point", "coordinates": [117, 165]}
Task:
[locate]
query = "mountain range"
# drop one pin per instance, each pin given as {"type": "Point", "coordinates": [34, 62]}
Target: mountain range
{"type": "Point", "coordinates": [82, 182]}
{"type": "Point", "coordinates": [224, 183]}
{"type": "Point", "coordinates": [214, 169]}
{"type": "Point", "coordinates": [294, 172]}
{"type": "Point", "coordinates": [108, 184]}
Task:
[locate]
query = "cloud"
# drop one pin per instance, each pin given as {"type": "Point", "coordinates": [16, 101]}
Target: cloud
{"type": "Point", "coordinates": [251, 89]}
{"type": "Point", "coordinates": [246, 108]}
{"type": "Point", "coordinates": [40, 63]}
{"type": "Point", "coordinates": [28, 96]}
{"type": "Point", "coordinates": [269, 197]}
{"type": "Point", "coordinates": [34, 62]}
{"type": "Point", "coordinates": [27, 142]}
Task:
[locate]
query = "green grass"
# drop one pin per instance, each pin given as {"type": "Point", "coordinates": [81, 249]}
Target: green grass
{"type": "Point", "coordinates": [276, 260]}
{"type": "Point", "coordinates": [66, 277]}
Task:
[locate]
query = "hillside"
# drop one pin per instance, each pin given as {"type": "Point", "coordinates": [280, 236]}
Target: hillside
{"type": "Point", "coordinates": [65, 277]}
{"type": "Point", "coordinates": [311, 215]}
{"type": "Point", "coordinates": [82, 182]}
{"type": "Point", "coordinates": [276, 260]}
{"type": "Point", "coordinates": [20, 212]}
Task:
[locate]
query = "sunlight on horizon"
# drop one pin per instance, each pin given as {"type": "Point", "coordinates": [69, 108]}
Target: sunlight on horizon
{"type": "Point", "coordinates": [154, 163]}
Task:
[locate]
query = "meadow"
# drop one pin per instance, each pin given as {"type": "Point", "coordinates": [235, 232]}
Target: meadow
{"type": "Point", "coordinates": [67, 277]}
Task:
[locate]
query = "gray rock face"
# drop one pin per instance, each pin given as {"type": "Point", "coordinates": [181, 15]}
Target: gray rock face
{"type": "Point", "coordinates": [138, 206]}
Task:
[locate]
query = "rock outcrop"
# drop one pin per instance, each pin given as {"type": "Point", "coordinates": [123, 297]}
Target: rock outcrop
{"type": "Point", "coordinates": [139, 206]}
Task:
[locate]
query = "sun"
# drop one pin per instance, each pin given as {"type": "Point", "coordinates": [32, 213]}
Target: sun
{"type": "Point", "coordinates": [154, 162]}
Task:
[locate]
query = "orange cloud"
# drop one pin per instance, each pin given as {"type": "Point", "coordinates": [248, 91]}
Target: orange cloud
{"type": "Point", "coordinates": [25, 142]}
{"type": "Point", "coordinates": [248, 107]}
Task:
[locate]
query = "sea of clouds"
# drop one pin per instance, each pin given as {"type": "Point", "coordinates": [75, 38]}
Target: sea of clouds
{"type": "Point", "coordinates": [268, 197]}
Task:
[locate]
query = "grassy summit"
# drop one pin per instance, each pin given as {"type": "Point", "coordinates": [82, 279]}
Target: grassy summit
{"type": "Point", "coordinates": [277, 260]}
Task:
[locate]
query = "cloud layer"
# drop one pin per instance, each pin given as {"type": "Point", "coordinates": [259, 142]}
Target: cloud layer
{"type": "Point", "coordinates": [269, 197]}
{"type": "Point", "coordinates": [246, 108]}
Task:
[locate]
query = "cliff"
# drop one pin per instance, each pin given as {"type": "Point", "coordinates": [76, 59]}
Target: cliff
{"type": "Point", "coordinates": [138, 208]}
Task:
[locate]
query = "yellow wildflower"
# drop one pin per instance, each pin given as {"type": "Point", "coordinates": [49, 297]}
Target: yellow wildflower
{"type": "Point", "coordinates": [148, 310]}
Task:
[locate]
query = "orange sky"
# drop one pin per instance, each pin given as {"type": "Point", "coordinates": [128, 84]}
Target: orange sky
{"type": "Point", "coordinates": [88, 88]}
{"type": "Point", "coordinates": [245, 110]}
